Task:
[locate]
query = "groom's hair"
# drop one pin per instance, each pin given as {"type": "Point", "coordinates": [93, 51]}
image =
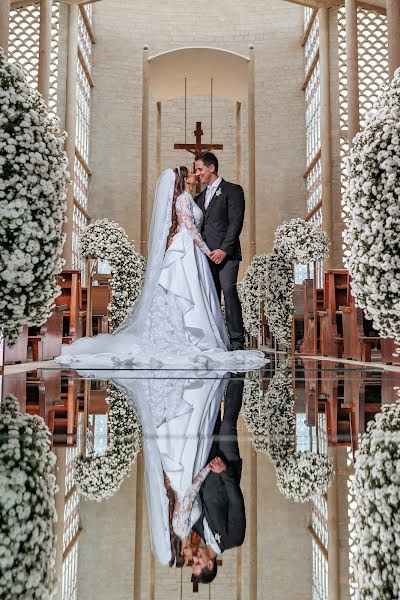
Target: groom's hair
{"type": "Point", "coordinates": [205, 575]}
{"type": "Point", "coordinates": [208, 159]}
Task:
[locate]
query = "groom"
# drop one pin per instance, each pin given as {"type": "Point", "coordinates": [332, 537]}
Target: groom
{"type": "Point", "coordinates": [222, 204]}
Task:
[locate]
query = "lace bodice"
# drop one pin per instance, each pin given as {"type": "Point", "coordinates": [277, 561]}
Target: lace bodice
{"type": "Point", "coordinates": [190, 216]}
{"type": "Point", "coordinates": [181, 521]}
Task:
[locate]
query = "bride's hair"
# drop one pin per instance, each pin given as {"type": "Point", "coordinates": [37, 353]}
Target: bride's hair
{"type": "Point", "coordinates": [180, 174]}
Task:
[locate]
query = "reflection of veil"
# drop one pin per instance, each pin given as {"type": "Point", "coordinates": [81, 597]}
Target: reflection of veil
{"type": "Point", "coordinates": [134, 321]}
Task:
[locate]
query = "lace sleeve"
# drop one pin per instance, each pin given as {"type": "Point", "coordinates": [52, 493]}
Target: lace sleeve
{"type": "Point", "coordinates": [184, 213]}
{"type": "Point", "coordinates": [183, 507]}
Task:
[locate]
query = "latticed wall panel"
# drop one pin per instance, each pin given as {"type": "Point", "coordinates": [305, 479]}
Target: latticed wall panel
{"type": "Point", "coordinates": [24, 35]}
{"type": "Point", "coordinates": [373, 73]}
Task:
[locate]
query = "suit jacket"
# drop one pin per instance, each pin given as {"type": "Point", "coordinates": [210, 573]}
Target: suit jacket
{"type": "Point", "coordinates": [223, 219]}
{"type": "Point", "coordinates": [223, 507]}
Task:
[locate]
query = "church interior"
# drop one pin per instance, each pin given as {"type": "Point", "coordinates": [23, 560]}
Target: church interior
{"type": "Point", "coordinates": [292, 96]}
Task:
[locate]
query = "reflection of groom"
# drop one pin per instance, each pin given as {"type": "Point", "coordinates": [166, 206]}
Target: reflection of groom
{"type": "Point", "coordinates": [222, 524]}
{"type": "Point", "coordinates": [222, 204]}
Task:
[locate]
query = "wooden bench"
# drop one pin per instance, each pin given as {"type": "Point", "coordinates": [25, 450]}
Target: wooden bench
{"type": "Point", "coordinates": [71, 295]}
{"type": "Point", "coordinates": [313, 303]}
{"type": "Point", "coordinates": [19, 352]}
{"type": "Point", "coordinates": [336, 295]}
{"type": "Point", "coordinates": [46, 340]}
{"type": "Point", "coordinates": [298, 318]}
{"type": "Point", "coordinates": [359, 336]}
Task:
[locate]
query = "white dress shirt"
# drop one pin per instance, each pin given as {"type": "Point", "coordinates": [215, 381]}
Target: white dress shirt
{"type": "Point", "coordinates": [209, 537]}
{"type": "Point", "coordinates": [211, 189]}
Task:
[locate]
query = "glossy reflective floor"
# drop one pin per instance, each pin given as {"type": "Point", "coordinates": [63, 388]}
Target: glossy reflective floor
{"type": "Point", "coordinates": [138, 515]}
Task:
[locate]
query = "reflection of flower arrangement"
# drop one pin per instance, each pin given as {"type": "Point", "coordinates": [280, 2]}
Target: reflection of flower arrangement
{"type": "Point", "coordinates": [271, 420]}
{"type": "Point", "coordinates": [301, 241]}
{"type": "Point", "coordinates": [99, 477]}
{"type": "Point", "coordinates": [33, 176]}
{"type": "Point", "coordinates": [251, 292]}
{"type": "Point", "coordinates": [303, 475]}
{"type": "Point", "coordinates": [279, 296]}
{"type": "Point", "coordinates": [373, 227]}
{"type": "Point", "coordinates": [27, 507]}
{"type": "Point", "coordinates": [107, 240]}
{"type": "Point", "coordinates": [375, 517]}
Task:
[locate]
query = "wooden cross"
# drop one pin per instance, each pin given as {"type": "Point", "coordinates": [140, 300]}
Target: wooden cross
{"type": "Point", "coordinates": [198, 147]}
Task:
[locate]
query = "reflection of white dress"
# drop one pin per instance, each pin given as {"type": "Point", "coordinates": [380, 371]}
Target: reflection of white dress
{"type": "Point", "coordinates": [184, 325]}
{"type": "Point", "coordinates": [177, 440]}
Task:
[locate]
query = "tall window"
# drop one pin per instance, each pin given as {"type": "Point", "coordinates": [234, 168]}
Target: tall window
{"type": "Point", "coordinates": [82, 172]}
{"type": "Point", "coordinates": [373, 72]}
{"type": "Point", "coordinates": [24, 35]}
{"type": "Point", "coordinates": [311, 88]}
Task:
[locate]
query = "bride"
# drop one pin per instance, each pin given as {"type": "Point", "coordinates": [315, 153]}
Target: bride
{"type": "Point", "coordinates": [177, 319]}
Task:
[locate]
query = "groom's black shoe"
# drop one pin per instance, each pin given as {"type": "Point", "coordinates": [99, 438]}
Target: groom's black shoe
{"type": "Point", "coordinates": [237, 346]}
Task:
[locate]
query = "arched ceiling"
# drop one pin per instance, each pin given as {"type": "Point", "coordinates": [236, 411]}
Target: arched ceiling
{"type": "Point", "coordinates": [229, 71]}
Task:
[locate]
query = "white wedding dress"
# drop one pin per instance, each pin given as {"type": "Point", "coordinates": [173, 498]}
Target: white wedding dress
{"type": "Point", "coordinates": [177, 320]}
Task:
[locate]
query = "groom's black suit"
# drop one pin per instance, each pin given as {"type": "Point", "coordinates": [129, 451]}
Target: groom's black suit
{"type": "Point", "coordinates": [222, 225]}
{"type": "Point", "coordinates": [221, 496]}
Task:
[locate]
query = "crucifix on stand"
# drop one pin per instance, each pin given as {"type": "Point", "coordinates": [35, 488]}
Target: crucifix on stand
{"type": "Point", "coordinates": [197, 147]}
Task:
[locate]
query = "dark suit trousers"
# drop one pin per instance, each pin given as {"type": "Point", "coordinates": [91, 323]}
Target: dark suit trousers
{"type": "Point", "coordinates": [226, 443]}
{"type": "Point", "coordinates": [225, 278]}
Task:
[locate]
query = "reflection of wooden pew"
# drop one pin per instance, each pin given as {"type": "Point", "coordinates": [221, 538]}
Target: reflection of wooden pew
{"type": "Point", "coordinates": [311, 388]}
{"type": "Point", "coordinates": [64, 414]}
{"type": "Point", "coordinates": [359, 337]}
{"type": "Point", "coordinates": [363, 399]}
{"type": "Point", "coordinates": [71, 295]}
{"type": "Point", "coordinates": [336, 295]}
{"type": "Point", "coordinates": [43, 390]}
{"type": "Point", "coordinates": [46, 340]}
{"type": "Point", "coordinates": [331, 398]}
{"type": "Point", "coordinates": [390, 381]}
{"type": "Point", "coordinates": [387, 348]}
{"type": "Point", "coordinates": [19, 352]}
{"type": "Point", "coordinates": [15, 383]}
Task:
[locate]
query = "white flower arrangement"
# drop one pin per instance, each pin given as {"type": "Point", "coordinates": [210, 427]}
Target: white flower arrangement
{"type": "Point", "coordinates": [375, 517]}
{"type": "Point", "coordinates": [99, 477]}
{"type": "Point", "coordinates": [304, 475]}
{"type": "Point", "coordinates": [279, 296]}
{"type": "Point", "coordinates": [295, 241]}
{"type": "Point", "coordinates": [107, 240]}
{"type": "Point", "coordinates": [251, 293]}
{"type": "Point", "coordinates": [33, 178]}
{"type": "Point", "coordinates": [301, 241]}
{"type": "Point", "coordinates": [373, 202]}
{"type": "Point", "coordinates": [27, 505]}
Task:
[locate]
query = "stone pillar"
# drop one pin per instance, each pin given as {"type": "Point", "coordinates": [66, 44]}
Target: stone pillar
{"type": "Point", "coordinates": [59, 526]}
{"type": "Point", "coordinates": [333, 532]}
{"type": "Point", "coordinates": [70, 124]}
{"type": "Point", "coordinates": [145, 154]}
{"type": "Point", "coordinates": [251, 201]}
{"type": "Point", "coordinates": [352, 69]}
{"type": "Point", "coordinates": [326, 128]}
{"type": "Point", "coordinates": [44, 48]}
{"type": "Point", "coordinates": [393, 21]}
{"type": "Point", "coordinates": [158, 140]}
{"type": "Point", "coordinates": [4, 24]}
{"type": "Point", "coordinates": [238, 142]}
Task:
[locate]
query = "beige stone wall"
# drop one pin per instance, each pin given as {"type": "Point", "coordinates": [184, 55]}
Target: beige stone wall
{"type": "Point", "coordinates": [123, 28]}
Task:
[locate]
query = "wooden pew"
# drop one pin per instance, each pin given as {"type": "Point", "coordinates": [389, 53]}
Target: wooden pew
{"type": "Point", "coordinates": [43, 390]}
{"type": "Point", "coordinates": [19, 352]}
{"type": "Point", "coordinates": [64, 415]}
{"type": "Point", "coordinates": [363, 399]}
{"type": "Point", "coordinates": [71, 295]}
{"type": "Point", "coordinates": [298, 318]}
{"type": "Point", "coordinates": [46, 340]}
{"type": "Point", "coordinates": [359, 336]}
{"type": "Point", "coordinates": [330, 401]}
{"type": "Point", "coordinates": [15, 383]}
{"type": "Point", "coordinates": [388, 346]}
{"type": "Point", "coordinates": [336, 295]}
{"type": "Point", "coordinates": [313, 302]}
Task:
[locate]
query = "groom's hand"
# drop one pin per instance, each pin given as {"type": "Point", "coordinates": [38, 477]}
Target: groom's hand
{"type": "Point", "coordinates": [218, 256]}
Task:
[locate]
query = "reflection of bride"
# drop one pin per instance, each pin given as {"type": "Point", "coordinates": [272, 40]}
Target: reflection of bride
{"type": "Point", "coordinates": [177, 319]}
{"type": "Point", "coordinates": [177, 439]}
